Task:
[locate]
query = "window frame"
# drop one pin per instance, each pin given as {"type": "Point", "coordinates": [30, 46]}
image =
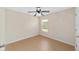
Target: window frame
{"type": "Point", "coordinates": [43, 28]}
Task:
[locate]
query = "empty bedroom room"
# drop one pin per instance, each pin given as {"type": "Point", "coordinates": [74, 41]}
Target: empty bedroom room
{"type": "Point", "coordinates": [38, 28]}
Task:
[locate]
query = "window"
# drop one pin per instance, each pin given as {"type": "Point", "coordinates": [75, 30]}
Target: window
{"type": "Point", "coordinates": [44, 25]}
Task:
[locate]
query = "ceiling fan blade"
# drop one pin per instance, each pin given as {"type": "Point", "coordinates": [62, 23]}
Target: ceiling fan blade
{"type": "Point", "coordinates": [42, 14]}
{"type": "Point", "coordinates": [31, 11]}
{"type": "Point", "coordinates": [46, 11]}
{"type": "Point", "coordinates": [35, 14]}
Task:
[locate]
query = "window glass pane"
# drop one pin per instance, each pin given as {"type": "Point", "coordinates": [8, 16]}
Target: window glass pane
{"type": "Point", "coordinates": [44, 25]}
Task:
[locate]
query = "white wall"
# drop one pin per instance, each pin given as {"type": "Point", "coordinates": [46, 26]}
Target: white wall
{"type": "Point", "coordinates": [20, 26]}
{"type": "Point", "coordinates": [77, 29]}
{"type": "Point", "coordinates": [2, 26]}
{"type": "Point", "coordinates": [61, 26]}
{"type": "Point", "coordinates": [77, 21]}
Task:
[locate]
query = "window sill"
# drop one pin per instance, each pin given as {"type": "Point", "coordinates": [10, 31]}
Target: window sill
{"type": "Point", "coordinates": [44, 30]}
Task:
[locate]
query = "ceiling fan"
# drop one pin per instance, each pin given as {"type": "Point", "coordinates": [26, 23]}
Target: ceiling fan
{"type": "Point", "coordinates": [39, 11]}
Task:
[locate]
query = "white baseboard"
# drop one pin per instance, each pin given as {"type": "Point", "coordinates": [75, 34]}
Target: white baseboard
{"type": "Point", "coordinates": [21, 39]}
{"type": "Point", "coordinates": [57, 39]}
{"type": "Point", "coordinates": [36, 35]}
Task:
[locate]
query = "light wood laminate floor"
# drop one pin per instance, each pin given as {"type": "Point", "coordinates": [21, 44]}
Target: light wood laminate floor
{"type": "Point", "coordinates": [39, 43]}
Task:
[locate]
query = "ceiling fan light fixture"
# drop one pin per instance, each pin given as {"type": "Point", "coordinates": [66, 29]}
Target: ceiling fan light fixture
{"type": "Point", "coordinates": [39, 11]}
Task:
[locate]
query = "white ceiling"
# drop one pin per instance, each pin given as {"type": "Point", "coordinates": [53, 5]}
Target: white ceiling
{"type": "Point", "coordinates": [26, 9]}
